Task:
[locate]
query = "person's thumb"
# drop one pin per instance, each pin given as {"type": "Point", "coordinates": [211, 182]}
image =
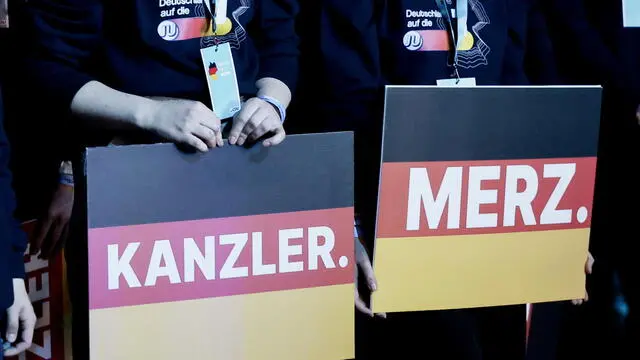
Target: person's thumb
{"type": "Point", "coordinates": [589, 264]}
{"type": "Point", "coordinates": [13, 323]}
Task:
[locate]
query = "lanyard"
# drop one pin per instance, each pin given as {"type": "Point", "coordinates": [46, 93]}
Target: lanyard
{"type": "Point", "coordinates": [456, 36]}
{"type": "Point", "coordinates": [212, 9]}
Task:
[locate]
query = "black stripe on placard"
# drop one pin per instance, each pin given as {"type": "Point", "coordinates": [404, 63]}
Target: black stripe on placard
{"type": "Point", "coordinates": [141, 184]}
{"type": "Point", "coordinates": [490, 123]}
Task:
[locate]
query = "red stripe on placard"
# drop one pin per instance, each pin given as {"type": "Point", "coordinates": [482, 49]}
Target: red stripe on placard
{"type": "Point", "coordinates": [483, 197]}
{"type": "Point", "coordinates": [155, 263]}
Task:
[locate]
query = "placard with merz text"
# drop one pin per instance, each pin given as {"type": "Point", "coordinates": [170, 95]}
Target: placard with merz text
{"type": "Point", "coordinates": [485, 196]}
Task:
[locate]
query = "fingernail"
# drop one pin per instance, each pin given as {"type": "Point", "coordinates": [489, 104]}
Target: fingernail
{"type": "Point", "coordinates": [11, 338]}
{"type": "Point", "coordinates": [372, 286]}
{"type": "Point", "coordinates": [232, 140]}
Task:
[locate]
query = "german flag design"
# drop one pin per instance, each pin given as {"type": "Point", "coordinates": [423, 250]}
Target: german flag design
{"type": "Point", "coordinates": [235, 254]}
{"type": "Point", "coordinates": [213, 71]}
{"type": "Point", "coordinates": [485, 196]}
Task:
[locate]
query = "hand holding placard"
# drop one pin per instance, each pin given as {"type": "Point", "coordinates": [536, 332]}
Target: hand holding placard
{"type": "Point", "coordinates": [183, 121]}
{"type": "Point", "coordinates": [52, 230]}
{"type": "Point", "coordinates": [256, 119]}
{"type": "Point", "coordinates": [21, 320]}
{"type": "Point", "coordinates": [588, 269]}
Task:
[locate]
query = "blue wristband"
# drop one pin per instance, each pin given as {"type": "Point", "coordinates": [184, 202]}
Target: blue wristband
{"type": "Point", "coordinates": [276, 104]}
{"type": "Point", "coordinates": [66, 179]}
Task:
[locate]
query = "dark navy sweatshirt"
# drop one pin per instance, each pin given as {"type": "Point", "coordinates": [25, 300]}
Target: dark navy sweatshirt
{"type": "Point", "coordinates": [593, 47]}
{"type": "Point", "coordinates": [414, 42]}
{"type": "Point", "coordinates": [12, 239]}
{"type": "Point", "coordinates": [152, 47]}
{"type": "Point", "coordinates": [366, 44]}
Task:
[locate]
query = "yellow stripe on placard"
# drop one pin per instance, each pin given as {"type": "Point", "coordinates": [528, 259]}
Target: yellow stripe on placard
{"type": "Point", "coordinates": [446, 272]}
{"type": "Point", "coordinates": [309, 324]}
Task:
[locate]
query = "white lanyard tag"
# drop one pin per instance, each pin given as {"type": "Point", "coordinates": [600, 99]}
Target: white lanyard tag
{"type": "Point", "coordinates": [631, 13]}
{"type": "Point", "coordinates": [221, 80]}
{"type": "Point", "coordinates": [457, 82]}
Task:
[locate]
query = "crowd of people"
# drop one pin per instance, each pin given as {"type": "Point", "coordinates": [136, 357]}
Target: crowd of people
{"type": "Point", "coordinates": [79, 73]}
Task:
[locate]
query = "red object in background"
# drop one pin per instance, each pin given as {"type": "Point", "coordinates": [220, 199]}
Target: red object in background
{"type": "Point", "coordinates": [46, 289]}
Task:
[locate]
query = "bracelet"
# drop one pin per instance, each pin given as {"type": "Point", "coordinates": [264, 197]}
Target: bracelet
{"type": "Point", "coordinates": [66, 179]}
{"type": "Point", "coordinates": [281, 110]}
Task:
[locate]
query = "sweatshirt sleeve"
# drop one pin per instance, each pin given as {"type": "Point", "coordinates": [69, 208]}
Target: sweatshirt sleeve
{"type": "Point", "coordinates": [276, 39]}
{"type": "Point", "coordinates": [350, 50]}
{"type": "Point", "coordinates": [16, 237]}
{"type": "Point", "coordinates": [540, 64]}
{"type": "Point", "coordinates": [64, 36]}
{"type": "Point", "coordinates": [513, 71]}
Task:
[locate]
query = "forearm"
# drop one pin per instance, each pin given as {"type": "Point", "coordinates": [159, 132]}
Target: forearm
{"type": "Point", "coordinates": [111, 108]}
{"type": "Point", "coordinates": [274, 88]}
{"type": "Point", "coordinates": [8, 205]}
{"type": "Point", "coordinates": [17, 238]}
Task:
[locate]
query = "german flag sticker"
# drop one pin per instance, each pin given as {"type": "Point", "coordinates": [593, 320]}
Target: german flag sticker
{"type": "Point", "coordinates": [213, 71]}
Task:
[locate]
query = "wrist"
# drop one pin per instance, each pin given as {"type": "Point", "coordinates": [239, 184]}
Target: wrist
{"type": "Point", "coordinates": [19, 288]}
{"type": "Point", "coordinates": [142, 116]}
{"type": "Point", "coordinates": [66, 180]}
{"type": "Point", "coordinates": [280, 109]}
